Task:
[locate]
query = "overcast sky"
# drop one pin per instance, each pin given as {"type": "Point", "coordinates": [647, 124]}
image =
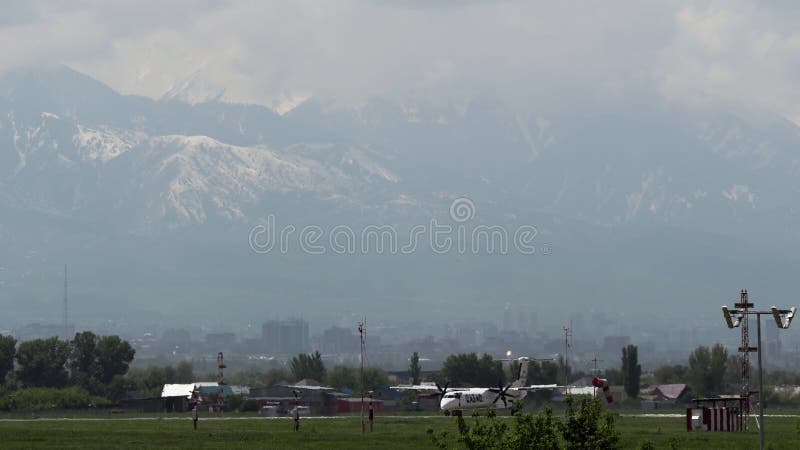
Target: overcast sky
{"type": "Point", "coordinates": [268, 52]}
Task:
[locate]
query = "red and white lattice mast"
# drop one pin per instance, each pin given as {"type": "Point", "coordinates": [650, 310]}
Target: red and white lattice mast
{"type": "Point", "coordinates": [745, 349]}
{"type": "Point", "coordinates": [362, 331]}
{"type": "Point", "coordinates": [220, 368]}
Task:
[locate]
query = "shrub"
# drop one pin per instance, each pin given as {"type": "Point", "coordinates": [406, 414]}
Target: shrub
{"type": "Point", "coordinates": [587, 426]}
{"type": "Point", "coordinates": [38, 399]}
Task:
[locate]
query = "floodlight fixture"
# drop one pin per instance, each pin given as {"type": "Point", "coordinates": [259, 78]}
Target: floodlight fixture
{"type": "Point", "coordinates": [777, 316]}
{"type": "Point", "coordinates": [789, 316]}
{"type": "Point", "coordinates": [727, 315]}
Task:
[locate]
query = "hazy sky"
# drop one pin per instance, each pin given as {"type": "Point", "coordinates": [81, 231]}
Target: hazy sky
{"type": "Point", "coordinates": [267, 52]}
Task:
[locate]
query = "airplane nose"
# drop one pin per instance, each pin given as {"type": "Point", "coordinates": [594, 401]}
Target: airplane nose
{"type": "Point", "coordinates": [447, 404]}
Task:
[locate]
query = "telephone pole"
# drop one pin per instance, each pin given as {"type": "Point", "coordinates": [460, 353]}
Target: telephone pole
{"type": "Point", "coordinates": [362, 331]}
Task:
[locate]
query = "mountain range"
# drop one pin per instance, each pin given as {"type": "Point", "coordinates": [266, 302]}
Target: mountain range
{"type": "Point", "coordinates": [639, 204]}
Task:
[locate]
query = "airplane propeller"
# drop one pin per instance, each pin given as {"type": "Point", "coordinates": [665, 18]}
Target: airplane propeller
{"type": "Point", "coordinates": [501, 393]}
{"type": "Point", "coordinates": [442, 390]}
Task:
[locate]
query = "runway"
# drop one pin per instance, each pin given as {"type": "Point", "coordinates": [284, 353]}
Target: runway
{"type": "Point", "coordinates": [223, 418]}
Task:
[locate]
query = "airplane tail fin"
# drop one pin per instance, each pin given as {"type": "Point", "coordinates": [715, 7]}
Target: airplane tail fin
{"type": "Point", "coordinates": [522, 373]}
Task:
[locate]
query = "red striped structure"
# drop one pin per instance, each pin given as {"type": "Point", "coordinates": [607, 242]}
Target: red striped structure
{"type": "Point", "coordinates": [713, 419]}
{"type": "Point", "coordinates": [602, 383]}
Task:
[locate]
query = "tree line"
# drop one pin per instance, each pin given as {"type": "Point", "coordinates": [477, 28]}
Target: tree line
{"type": "Point", "coordinates": [311, 366]}
{"type": "Point", "coordinates": [92, 367]}
{"type": "Point", "coordinates": [88, 361]}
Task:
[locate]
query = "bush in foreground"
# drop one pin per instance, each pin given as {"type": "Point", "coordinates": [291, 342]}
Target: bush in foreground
{"type": "Point", "coordinates": [586, 426]}
{"type": "Point", "coordinates": [39, 399]}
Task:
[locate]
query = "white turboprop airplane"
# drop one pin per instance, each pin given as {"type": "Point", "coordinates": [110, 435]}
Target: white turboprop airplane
{"type": "Point", "coordinates": [459, 399]}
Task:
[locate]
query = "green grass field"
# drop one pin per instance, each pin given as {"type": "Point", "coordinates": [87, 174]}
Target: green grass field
{"type": "Point", "coordinates": [406, 432]}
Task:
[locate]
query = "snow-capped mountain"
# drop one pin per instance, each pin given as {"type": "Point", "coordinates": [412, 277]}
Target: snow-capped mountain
{"type": "Point", "coordinates": [716, 169]}
{"type": "Point", "coordinates": [166, 191]}
{"type": "Point", "coordinates": [179, 164]}
{"type": "Point", "coordinates": [171, 179]}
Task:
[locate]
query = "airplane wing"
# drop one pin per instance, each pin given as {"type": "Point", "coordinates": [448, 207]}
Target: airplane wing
{"type": "Point", "coordinates": [415, 387]}
{"type": "Point", "coordinates": [542, 387]}
{"type": "Point", "coordinates": [424, 387]}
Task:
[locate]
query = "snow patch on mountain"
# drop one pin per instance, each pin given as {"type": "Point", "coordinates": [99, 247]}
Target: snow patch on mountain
{"type": "Point", "coordinates": [194, 89]}
{"type": "Point", "coordinates": [103, 143]}
{"type": "Point", "coordinates": [190, 178]}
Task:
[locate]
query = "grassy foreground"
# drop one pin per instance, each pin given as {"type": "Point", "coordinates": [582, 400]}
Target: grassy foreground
{"type": "Point", "coordinates": [390, 432]}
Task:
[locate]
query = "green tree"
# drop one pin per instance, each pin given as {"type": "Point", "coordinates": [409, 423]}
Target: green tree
{"type": "Point", "coordinates": [542, 372]}
{"type": "Point", "coordinates": [42, 362]}
{"type": "Point", "coordinates": [184, 372]}
{"type": "Point", "coordinates": [113, 357]}
{"type": "Point", "coordinates": [467, 368]}
{"type": "Point", "coordinates": [374, 379]}
{"type": "Point", "coordinates": [308, 366]}
{"type": "Point", "coordinates": [83, 366]}
{"type": "Point", "coordinates": [717, 368]}
{"type": "Point", "coordinates": [589, 426]}
{"type": "Point", "coordinates": [670, 374]}
{"type": "Point", "coordinates": [414, 368]}
{"type": "Point", "coordinates": [7, 351]}
{"type": "Point", "coordinates": [151, 380]}
{"type": "Point", "coordinates": [708, 369]}
{"type": "Point", "coordinates": [699, 371]}
{"type": "Point", "coordinates": [733, 373]}
{"type": "Point", "coordinates": [614, 376]}
{"type": "Point", "coordinates": [631, 371]}
{"type": "Point", "coordinates": [120, 387]}
{"type": "Point", "coordinates": [341, 377]}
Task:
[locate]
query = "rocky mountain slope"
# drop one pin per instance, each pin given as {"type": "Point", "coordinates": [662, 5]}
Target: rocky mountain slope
{"type": "Point", "coordinates": [125, 185]}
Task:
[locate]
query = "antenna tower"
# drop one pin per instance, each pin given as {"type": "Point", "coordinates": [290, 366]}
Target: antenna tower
{"type": "Point", "coordinates": [220, 368]}
{"type": "Point", "coordinates": [745, 349]}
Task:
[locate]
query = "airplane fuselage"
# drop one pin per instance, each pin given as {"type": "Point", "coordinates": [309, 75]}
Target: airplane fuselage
{"type": "Point", "coordinates": [476, 398]}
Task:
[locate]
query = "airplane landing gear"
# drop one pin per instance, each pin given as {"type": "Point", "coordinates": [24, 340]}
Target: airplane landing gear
{"type": "Point", "coordinates": [447, 412]}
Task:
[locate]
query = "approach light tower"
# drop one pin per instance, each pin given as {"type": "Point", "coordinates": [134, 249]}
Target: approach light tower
{"type": "Point", "coordinates": [744, 305]}
{"type": "Point", "coordinates": [220, 368]}
{"type": "Point", "coordinates": [567, 346]}
{"type": "Point", "coordinates": [362, 331]}
{"type": "Point", "coordinates": [783, 318]}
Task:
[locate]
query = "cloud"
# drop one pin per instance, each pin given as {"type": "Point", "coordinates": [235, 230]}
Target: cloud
{"type": "Point", "coordinates": [736, 51]}
{"type": "Point", "coordinates": [17, 12]}
{"type": "Point", "coordinates": [266, 52]}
